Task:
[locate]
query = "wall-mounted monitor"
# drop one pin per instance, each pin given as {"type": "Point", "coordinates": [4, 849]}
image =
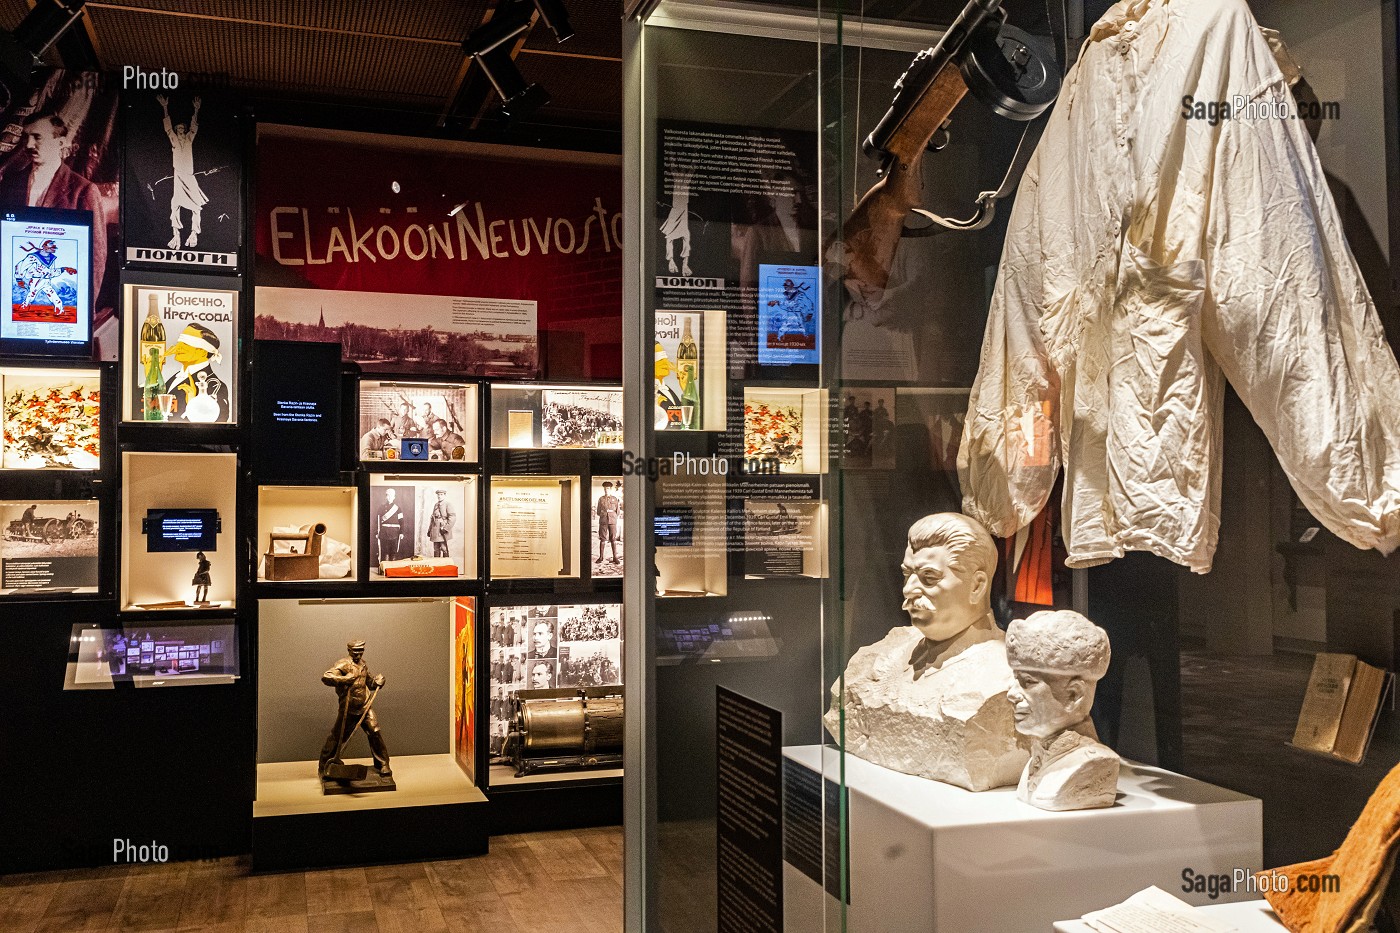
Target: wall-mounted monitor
{"type": "Point", "coordinates": [46, 257]}
{"type": "Point", "coordinates": [172, 530]}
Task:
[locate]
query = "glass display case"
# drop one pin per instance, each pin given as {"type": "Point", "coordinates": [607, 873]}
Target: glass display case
{"type": "Point", "coordinates": [161, 655]}
{"type": "Point", "coordinates": [310, 534]}
{"type": "Point", "coordinates": [413, 420]}
{"type": "Point", "coordinates": [555, 703]}
{"type": "Point", "coordinates": [556, 416]}
{"type": "Point", "coordinates": [950, 400]}
{"type": "Point", "coordinates": [179, 531]}
{"type": "Point", "coordinates": [422, 528]}
{"type": "Point", "coordinates": [412, 750]}
{"type": "Point", "coordinates": [535, 525]}
{"type": "Point", "coordinates": [51, 418]}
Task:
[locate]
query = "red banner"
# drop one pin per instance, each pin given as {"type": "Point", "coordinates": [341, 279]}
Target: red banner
{"type": "Point", "coordinates": [409, 217]}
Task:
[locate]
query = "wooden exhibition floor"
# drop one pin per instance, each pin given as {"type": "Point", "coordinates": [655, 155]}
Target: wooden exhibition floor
{"type": "Point", "coordinates": [555, 882]}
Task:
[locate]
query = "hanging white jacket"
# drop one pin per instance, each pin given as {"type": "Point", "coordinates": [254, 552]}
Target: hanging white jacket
{"type": "Point", "coordinates": [1150, 255]}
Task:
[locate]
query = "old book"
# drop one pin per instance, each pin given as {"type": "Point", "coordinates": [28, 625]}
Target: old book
{"type": "Point", "coordinates": [1359, 715]}
{"type": "Point", "coordinates": [1321, 715]}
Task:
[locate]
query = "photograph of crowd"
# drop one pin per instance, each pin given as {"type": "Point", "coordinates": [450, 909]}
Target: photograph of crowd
{"type": "Point", "coordinates": [574, 418]}
{"type": "Point", "coordinates": [590, 646]}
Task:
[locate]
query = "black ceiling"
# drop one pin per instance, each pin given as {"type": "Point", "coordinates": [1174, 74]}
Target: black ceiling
{"type": "Point", "coordinates": [396, 64]}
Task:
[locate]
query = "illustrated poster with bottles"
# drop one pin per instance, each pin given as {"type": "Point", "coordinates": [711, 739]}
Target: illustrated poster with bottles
{"type": "Point", "coordinates": [183, 345]}
{"type": "Point", "coordinates": [677, 378]}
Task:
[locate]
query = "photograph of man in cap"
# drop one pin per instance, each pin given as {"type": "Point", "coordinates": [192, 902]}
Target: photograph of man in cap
{"type": "Point", "coordinates": [440, 525]}
{"type": "Point", "coordinates": [353, 681]}
{"type": "Point", "coordinates": [201, 395]}
{"type": "Point", "coordinates": [608, 513]}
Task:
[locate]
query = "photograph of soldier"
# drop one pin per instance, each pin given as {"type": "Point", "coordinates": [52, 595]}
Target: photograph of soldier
{"type": "Point", "coordinates": [867, 428]}
{"type": "Point", "coordinates": [445, 444]}
{"type": "Point", "coordinates": [415, 411]}
{"type": "Point", "coordinates": [355, 688]}
{"type": "Point", "coordinates": [441, 523]}
{"type": "Point", "coordinates": [378, 439]}
{"type": "Point", "coordinates": [607, 529]}
{"type": "Point", "coordinates": [393, 523]}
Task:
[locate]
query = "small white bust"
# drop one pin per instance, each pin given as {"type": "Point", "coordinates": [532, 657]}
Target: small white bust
{"type": "Point", "coordinates": [1058, 659]}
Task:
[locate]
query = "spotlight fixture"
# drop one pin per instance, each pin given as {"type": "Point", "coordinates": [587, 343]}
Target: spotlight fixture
{"type": "Point", "coordinates": [490, 46]}
{"type": "Point", "coordinates": [21, 50]}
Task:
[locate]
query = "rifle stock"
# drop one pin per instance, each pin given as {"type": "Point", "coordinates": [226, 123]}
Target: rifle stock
{"type": "Point", "coordinates": [873, 230]}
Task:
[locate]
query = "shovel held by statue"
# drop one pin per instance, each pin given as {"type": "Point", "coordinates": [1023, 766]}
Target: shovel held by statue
{"type": "Point", "coordinates": [337, 770]}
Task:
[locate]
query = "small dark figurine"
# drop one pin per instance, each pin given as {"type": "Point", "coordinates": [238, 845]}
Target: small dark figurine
{"type": "Point", "coordinates": [357, 688]}
{"type": "Point", "coordinates": [201, 581]}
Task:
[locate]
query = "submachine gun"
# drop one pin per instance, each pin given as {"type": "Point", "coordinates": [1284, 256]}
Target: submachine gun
{"type": "Point", "coordinates": [1008, 69]}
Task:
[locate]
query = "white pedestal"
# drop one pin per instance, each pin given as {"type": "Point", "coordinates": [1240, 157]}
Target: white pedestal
{"type": "Point", "coordinates": [1247, 917]}
{"type": "Point", "coordinates": [933, 858]}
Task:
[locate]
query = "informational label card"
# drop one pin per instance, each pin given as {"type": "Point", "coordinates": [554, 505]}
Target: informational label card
{"type": "Point", "coordinates": [749, 823]}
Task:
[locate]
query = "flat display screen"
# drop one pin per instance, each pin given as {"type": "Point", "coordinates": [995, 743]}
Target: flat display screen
{"type": "Point", "coordinates": [47, 257]}
{"type": "Point", "coordinates": [296, 409]}
{"type": "Point", "coordinates": [673, 527]}
{"type": "Point", "coordinates": [169, 530]}
{"type": "Point", "coordinates": [151, 656]}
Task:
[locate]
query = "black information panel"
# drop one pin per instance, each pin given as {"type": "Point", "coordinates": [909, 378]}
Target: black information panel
{"type": "Point", "coordinates": [749, 757]}
{"type": "Point", "coordinates": [812, 844]}
{"type": "Point", "coordinates": [296, 410]}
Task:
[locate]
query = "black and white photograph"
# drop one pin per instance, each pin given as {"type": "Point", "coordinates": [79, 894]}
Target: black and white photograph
{"type": "Point", "coordinates": [590, 646]}
{"type": "Point", "coordinates": [581, 418]}
{"type": "Point", "coordinates": [607, 526]}
{"type": "Point", "coordinates": [48, 545]}
{"type": "Point", "coordinates": [391, 332]}
{"type": "Point", "coordinates": [541, 632]}
{"type": "Point", "coordinates": [436, 535]}
{"type": "Point", "coordinates": [442, 415]}
{"type": "Point", "coordinates": [391, 515]}
{"type": "Point", "coordinates": [182, 201]}
{"type": "Point", "coordinates": [867, 428]}
{"type": "Point", "coordinates": [539, 674]}
{"type": "Point", "coordinates": [510, 668]}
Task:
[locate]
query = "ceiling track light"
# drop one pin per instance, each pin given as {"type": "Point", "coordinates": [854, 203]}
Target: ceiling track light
{"type": "Point", "coordinates": [490, 46]}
